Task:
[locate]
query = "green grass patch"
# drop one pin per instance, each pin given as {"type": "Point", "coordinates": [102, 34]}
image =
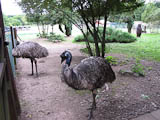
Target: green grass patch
{"type": "Point", "coordinates": [27, 36]}
{"type": "Point", "coordinates": [146, 47]}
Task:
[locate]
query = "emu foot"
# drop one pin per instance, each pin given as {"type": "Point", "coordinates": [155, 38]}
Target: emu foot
{"type": "Point", "coordinates": [30, 74]}
{"type": "Point", "coordinates": [92, 107]}
{"type": "Point", "coordinates": [90, 116]}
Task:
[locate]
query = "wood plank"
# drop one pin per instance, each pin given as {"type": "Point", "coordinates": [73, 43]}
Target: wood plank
{"type": "Point", "coordinates": [12, 84]}
{"type": "Point", "coordinates": [2, 113]}
{"type": "Point", "coordinates": [5, 98]}
{"type": "Point", "coordinates": [2, 71]}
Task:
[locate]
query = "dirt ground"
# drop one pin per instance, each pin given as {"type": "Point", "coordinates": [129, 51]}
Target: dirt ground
{"type": "Point", "coordinates": [47, 98]}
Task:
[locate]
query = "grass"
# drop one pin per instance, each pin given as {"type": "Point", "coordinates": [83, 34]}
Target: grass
{"type": "Point", "coordinates": [146, 47]}
{"type": "Point", "coordinates": [27, 36]}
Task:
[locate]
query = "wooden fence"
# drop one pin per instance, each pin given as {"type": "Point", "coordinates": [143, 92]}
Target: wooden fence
{"type": "Point", "coordinates": [9, 102]}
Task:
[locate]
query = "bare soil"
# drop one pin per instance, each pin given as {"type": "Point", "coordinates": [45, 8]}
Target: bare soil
{"type": "Point", "coordinates": [47, 98]}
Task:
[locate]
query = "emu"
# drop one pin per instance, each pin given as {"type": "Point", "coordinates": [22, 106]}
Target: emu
{"type": "Point", "coordinates": [31, 50]}
{"type": "Point", "coordinates": [139, 30]}
{"type": "Point", "coordinates": [90, 74]}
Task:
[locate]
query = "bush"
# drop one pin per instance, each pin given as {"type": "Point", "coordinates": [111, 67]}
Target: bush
{"type": "Point", "coordinates": [111, 60]}
{"type": "Point", "coordinates": [138, 68]}
{"type": "Point", "coordinates": [55, 38]}
{"type": "Point", "coordinates": [43, 35]}
{"type": "Point", "coordinates": [112, 35]}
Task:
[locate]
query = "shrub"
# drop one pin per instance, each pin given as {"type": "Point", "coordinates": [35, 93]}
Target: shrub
{"type": "Point", "coordinates": [79, 38]}
{"type": "Point", "coordinates": [111, 60]}
{"type": "Point", "coordinates": [55, 38]}
{"type": "Point", "coordinates": [43, 35]}
{"type": "Point", "coordinates": [138, 68]}
{"type": "Point", "coordinates": [112, 35]}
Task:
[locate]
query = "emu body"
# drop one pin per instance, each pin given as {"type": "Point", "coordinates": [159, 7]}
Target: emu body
{"type": "Point", "coordinates": [90, 74]}
{"type": "Point", "coordinates": [31, 50]}
{"type": "Point", "coordinates": [139, 30]}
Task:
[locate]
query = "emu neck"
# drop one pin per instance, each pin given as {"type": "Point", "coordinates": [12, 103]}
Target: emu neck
{"type": "Point", "coordinates": [70, 77]}
{"type": "Point", "coordinates": [68, 61]}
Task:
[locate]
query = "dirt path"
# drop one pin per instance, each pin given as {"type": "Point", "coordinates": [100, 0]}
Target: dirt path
{"type": "Point", "coordinates": [46, 98]}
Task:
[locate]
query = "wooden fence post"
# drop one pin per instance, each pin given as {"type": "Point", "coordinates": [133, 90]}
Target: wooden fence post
{"type": "Point", "coordinates": [14, 40]}
{"type": "Point", "coordinates": [15, 36]}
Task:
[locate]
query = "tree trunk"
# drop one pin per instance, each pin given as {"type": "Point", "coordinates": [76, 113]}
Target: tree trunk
{"type": "Point", "coordinates": [96, 43]}
{"type": "Point", "coordinates": [103, 38]}
{"type": "Point", "coordinates": [52, 28]}
{"type": "Point", "coordinates": [47, 29]}
{"type": "Point", "coordinates": [87, 43]}
{"type": "Point", "coordinates": [68, 29]}
{"type": "Point", "coordinates": [60, 28]}
{"type": "Point", "coordinates": [94, 35]}
{"type": "Point", "coordinates": [129, 26]}
{"type": "Point", "coordinates": [39, 29]}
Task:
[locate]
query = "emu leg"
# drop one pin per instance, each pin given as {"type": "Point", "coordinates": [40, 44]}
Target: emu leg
{"type": "Point", "coordinates": [93, 107]}
{"type": "Point", "coordinates": [32, 67]}
{"type": "Point", "coordinates": [35, 61]}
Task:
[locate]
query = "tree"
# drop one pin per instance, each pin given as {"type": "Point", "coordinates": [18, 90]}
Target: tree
{"type": "Point", "coordinates": [127, 17]}
{"type": "Point", "coordinates": [89, 11]}
{"type": "Point", "coordinates": [42, 12]}
{"type": "Point", "coordinates": [80, 13]}
{"type": "Point", "coordinates": [149, 12]}
{"type": "Point", "coordinates": [37, 11]}
{"type": "Point", "coordinates": [138, 13]}
{"type": "Point", "coordinates": [16, 20]}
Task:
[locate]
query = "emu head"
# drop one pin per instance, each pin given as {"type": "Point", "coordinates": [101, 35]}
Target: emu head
{"type": "Point", "coordinates": [66, 55]}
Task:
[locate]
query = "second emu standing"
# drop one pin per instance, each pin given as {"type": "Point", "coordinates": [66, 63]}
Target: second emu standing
{"type": "Point", "coordinates": [31, 50]}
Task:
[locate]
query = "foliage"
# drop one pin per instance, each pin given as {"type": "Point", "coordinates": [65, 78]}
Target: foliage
{"type": "Point", "coordinates": [37, 11]}
{"type": "Point", "coordinates": [43, 35]}
{"type": "Point", "coordinates": [127, 17]}
{"type": "Point", "coordinates": [45, 13]}
{"type": "Point", "coordinates": [55, 38]}
{"type": "Point", "coordinates": [147, 47]}
{"type": "Point", "coordinates": [138, 13]}
{"type": "Point", "coordinates": [111, 60]}
{"type": "Point", "coordinates": [16, 20]}
{"type": "Point", "coordinates": [85, 12]}
{"type": "Point", "coordinates": [90, 11]}
{"type": "Point", "coordinates": [112, 35]}
{"type": "Point", "coordinates": [138, 68]}
{"type": "Point", "coordinates": [149, 13]}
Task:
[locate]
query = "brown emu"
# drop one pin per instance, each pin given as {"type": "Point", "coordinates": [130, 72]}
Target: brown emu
{"type": "Point", "coordinates": [91, 73]}
{"type": "Point", "coordinates": [139, 30]}
{"type": "Point", "coordinates": [31, 50]}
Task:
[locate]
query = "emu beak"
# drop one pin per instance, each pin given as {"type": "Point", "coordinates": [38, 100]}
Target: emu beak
{"type": "Point", "coordinates": [62, 59]}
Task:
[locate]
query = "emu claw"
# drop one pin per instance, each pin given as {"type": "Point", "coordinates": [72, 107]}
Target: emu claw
{"type": "Point", "coordinates": [30, 74]}
{"type": "Point", "coordinates": [90, 116]}
{"type": "Point", "coordinates": [92, 108]}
